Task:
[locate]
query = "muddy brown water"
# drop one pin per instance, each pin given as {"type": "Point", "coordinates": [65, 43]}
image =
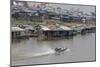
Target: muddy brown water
{"type": "Point", "coordinates": [31, 51]}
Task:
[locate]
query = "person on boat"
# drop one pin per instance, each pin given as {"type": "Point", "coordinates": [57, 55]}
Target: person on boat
{"type": "Point", "coordinates": [60, 49]}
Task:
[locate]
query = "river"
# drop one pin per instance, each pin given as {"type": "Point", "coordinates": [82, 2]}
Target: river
{"type": "Point", "coordinates": [31, 51]}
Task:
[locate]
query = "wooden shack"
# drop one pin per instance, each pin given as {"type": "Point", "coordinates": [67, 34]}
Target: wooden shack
{"type": "Point", "coordinates": [17, 32]}
{"type": "Point", "coordinates": [56, 33]}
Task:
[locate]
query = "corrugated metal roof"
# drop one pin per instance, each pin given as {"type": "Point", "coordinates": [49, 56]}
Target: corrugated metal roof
{"type": "Point", "coordinates": [44, 27]}
{"type": "Point", "coordinates": [17, 29]}
{"type": "Point", "coordinates": [61, 27]}
{"type": "Point", "coordinates": [65, 27]}
{"type": "Point", "coordinates": [28, 27]}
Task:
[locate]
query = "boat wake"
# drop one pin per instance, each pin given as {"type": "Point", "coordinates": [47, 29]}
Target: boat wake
{"type": "Point", "coordinates": [44, 52]}
{"type": "Point", "coordinates": [50, 52]}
